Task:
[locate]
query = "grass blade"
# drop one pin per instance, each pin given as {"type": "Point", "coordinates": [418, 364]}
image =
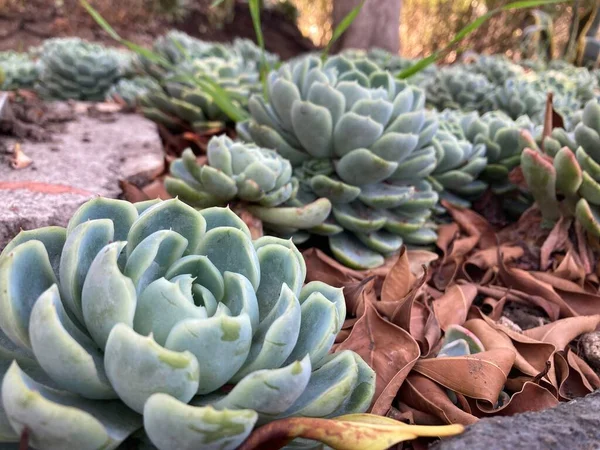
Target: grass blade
{"type": "Point", "coordinates": [341, 28]}
{"type": "Point", "coordinates": [100, 21]}
{"type": "Point", "coordinates": [468, 29]}
{"type": "Point", "coordinates": [254, 6]}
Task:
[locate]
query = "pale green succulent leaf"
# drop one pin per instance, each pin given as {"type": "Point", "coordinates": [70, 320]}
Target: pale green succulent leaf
{"type": "Point", "coordinates": [303, 217]}
{"type": "Point", "coordinates": [352, 253]}
{"type": "Point", "coordinates": [588, 216]}
{"type": "Point", "coordinates": [384, 195]}
{"type": "Point", "coordinates": [381, 241]}
{"type": "Point", "coordinates": [283, 94]}
{"type": "Point", "coordinates": [240, 298]}
{"type": "Point", "coordinates": [58, 420]}
{"type": "Point", "coordinates": [83, 243]}
{"type": "Point", "coordinates": [269, 391]}
{"type": "Point", "coordinates": [151, 259]}
{"type": "Point", "coordinates": [395, 146]}
{"type": "Point", "coordinates": [120, 212]}
{"type": "Point", "coordinates": [53, 239]}
{"type": "Point", "coordinates": [589, 189]}
{"type": "Point", "coordinates": [275, 337]}
{"type": "Point", "coordinates": [324, 95]}
{"type": "Point", "coordinates": [361, 166]}
{"type": "Point", "coordinates": [354, 131]}
{"type": "Point", "coordinates": [588, 164]}
{"type": "Point", "coordinates": [358, 217]}
{"type": "Point", "coordinates": [313, 126]}
{"type": "Point", "coordinates": [334, 190]}
{"type": "Point", "coordinates": [423, 236]}
{"type": "Point", "coordinates": [540, 176]}
{"type": "Point", "coordinates": [231, 250]}
{"type": "Point", "coordinates": [108, 296]}
{"type": "Point", "coordinates": [163, 304]}
{"type": "Point", "coordinates": [223, 217]}
{"type": "Point", "coordinates": [363, 390]}
{"type": "Point", "coordinates": [202, 270]}
{"type": "Point", "coordinates": [67, 354]}
{"type": "Point", "coordinates": [172, 215]}
{"type": "Point", "coordinates": [568, 172]}
{"type": "Point", "coordinates": [589, 139]}
{"type": "Point", "coordinates": [222, 335]}
{"type": "Point", "coordinates": [287, 243]}
{"type": "Point", "coordinates": [138, 367]}
{"type": "Point", "coordinates": [173, 424]}
{"type": "Point", "coordinates": [407, 123]}
{"type": "Point", "coordinates": [25, 273]}
{"type": "Point", "coordinates": [217, 184]}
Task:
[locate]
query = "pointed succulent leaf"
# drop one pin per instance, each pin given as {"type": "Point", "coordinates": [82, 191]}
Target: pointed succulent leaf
{"type": "Point", "coordinates": [352, 253]}
{"type": "Point", "coordinates": [173, 424]}
{"type": "Point", "coordinates": [327, 96]}
{"type": "Point", "coordinates": [361, 166]}
{"type": "Point", "coordinates": [589, 139]}
{"type": "Point", "coordinates": [590, 189]}
{"type": "Point", "coordinates": [313, 126]}
{"type": "Point", "coordinates": [395, 146]}
{"type": "Point", "coordinates": [588, 216]}
{"type": "Point", "coordinates": [407, 123]}
{"type": "Point", "coordinates": [25, 273]}
{"type": "Point", "coordinates": [334, 190]}
{"type": "Point", "coordinates": [268, 240]}
{"type": "Point", "coordinates": [269, 391]}
{"type": "Point", "coordinates": [120, 212]}
{"type": "Point", "coordinates": [363, 390]}
{"type": "Point", "coordinates": [151, 259]}
{"type": "Point", "coordinates": [58, 420]}
{"type": "Point", "coordinates": [163, 304]}
{"type": "Point", "coordinates": [588, 164]}
{"type": "Point", "coordinates": [423, 236]}
{"type": "Point", "coordinates": [53, 239]}
{"type": "Point", "coordinates": [269, 138]}
{"type": "Point", "coordinates": [283, 95]}
{"type": "Point", "coordinates": [457, 332]}
{"type": "Point", "coordinates": [138, 367]}
{"type": "Point", "coordinates": [358, 217]}
{"type": "Point", "coordinates": [231, 250]}
{"type": "Point", "coordinates": [459, 347]}
{"type": "Point", "coordinates": [168, 215]}
{"type": "Point", "coordinates": [218, 184]}
{"type": "Point", "coordinates": [306, 216]}
{"type": "Point", "coordinates": [103, 285]}
{"type": "Point", "coordinates": [240, 297]}
{"type": "Point", "coordinates": [381, 241]}
{"type": "Point", "coordinates": [353, 92]}
{"type": "Point", "coordinates": [355, 131]}
{"type": "Point", "coordinates": [540, 176]}
{"type": "Point", "coordinates": [275, 337]}
{"type": "Point", "coordinates": [67, 354]}
{"type": "Point", "coordinates": [83, 243]}
{"type": "Point", "coordinates": [568, 172]}
{"type": "Point", "coordinates": [184, 191]}
{"type": "Point", "coordinates": [223, 217]}
{"type": "Point", "coordinates": [384, 195]}
{"type": "Point", "coordinates": [202, 270]}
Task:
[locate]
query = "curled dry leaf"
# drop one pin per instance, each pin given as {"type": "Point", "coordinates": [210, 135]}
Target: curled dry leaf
{"type": "Point", "coordinates": [19, 160]}
{"type": "Point", "coordinates": [531, 397]}
{"type": "Point", "coordinates": [453, 306]}
{"type": "Point", "coordinates": [472, 224]}
{"type": "Point", "coordinates": [480, 376]}
{"type": "Point", "coordinates": [350, 432]}
{"type": "Point", "coordinates": [563, 331]}
{"type": "Point", "coordinates": [555, 241]}
{"type": "Point", "coordinates": [387, 348]}
{"type": "Point", "coordinates": [399, 281]}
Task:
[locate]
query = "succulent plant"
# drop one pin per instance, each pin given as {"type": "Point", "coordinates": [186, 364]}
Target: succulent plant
{"type": "Point", "coordinates": [129, 91]}
{"type": "Point", "coordinates": [17, 71]}
{"type": "Point", "coordinates": [75, 69]}
{"type": "Point", "coordinates": [458, 341]}
{"type": "Point", "coordinates": [496, 68]}
{"type": "Point", "coordinates": [518, 97]}
{"type": "Point", "coordinates": [569, 167]}
{"type": "Point", "coordinates": [160, 316]}
{"type": "Point", "coordinates": [183, 105]}
{"type": "Point", "coordinates": [459, 164]}
{"type": "Point", "coordinates": [235, 171]}
{"type": "Point", "coordinates": [173, 10]}
{"type": "Point", "coordinates": [360, 138]}
{"type": "Point", "coordinates": [455, 87]}
{"type": "Point", "coordinates": [252, 53]}
{"type": "Point", "coordinates": [502, 138]}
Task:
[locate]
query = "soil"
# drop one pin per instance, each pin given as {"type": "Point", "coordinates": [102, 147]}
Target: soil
{"type": "Point", "coordinates": [29, 23]}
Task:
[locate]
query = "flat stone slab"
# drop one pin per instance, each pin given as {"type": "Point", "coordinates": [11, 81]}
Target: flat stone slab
{"type": "Point", "coordinates": [572, 425]}
{"type": "Point", "coordinates": [88, 159]}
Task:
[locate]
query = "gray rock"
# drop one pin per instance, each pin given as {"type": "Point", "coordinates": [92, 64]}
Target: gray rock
{"type": "Point", "coordinates": [88, 159]}
{"type": "Point", "coordinates": [574, 425]}
{"type": "Point", "coordinates": [590, 345]}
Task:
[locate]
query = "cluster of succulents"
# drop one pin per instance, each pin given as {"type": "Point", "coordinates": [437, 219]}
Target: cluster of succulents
{"type": "Point", "coordinates": [360, 138]}
{"type": "Point", "coordinates": [252, 53]}
{"type": "Point", "coordinates": [235, 171]}
{"type": "Point", "coordinates": [455, 87]}
{"type": "Point", "coordinates": [496, 68]}
{"type": "Point", "coordinates": [17, 70]}
{"type": "Point", "coordinates": [564, 178]}
{"type": "Point", "coordinates": [183, 104]}
{"type": "Point", "coordinates": [75, 69]}
{"type": "Point", "coordinates": [157, 316]}
{"type": "Point", "coordinates": [130, 90]}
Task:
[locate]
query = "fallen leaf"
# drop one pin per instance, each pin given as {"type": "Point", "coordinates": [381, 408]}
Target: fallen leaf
{"type": "Point", "coordinates": [479, 376]}
{"type": "Point", "coordinates": [156, 189]}
{"type": "Point", "coordinates": [385, 347]}
{"type": "Point", "coordinates": [132, 193]}
{"type": "Point", "coordinates": [563, 331]}
{"type": "Point", "coordinates": [350, 432]}
{"type": "Point", "coordinates": [473, 224]}
{"type": "Point", "coordinates": [453, 306]}
{"type": "Point", "coordinates": [19, 160]}
{"type": "Point", "coordinates": [399, 281]}
{"type": "Point", "coordinates": [423, 394]}
{"type": "Point", "coordinates": [321, 267]}
{"type": "Point", "coordinates": [531, 397]}
{"type": "Point", "coordinates": [556, 240]}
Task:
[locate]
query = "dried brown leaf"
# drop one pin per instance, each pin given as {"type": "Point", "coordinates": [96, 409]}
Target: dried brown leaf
{"type": "Point", "coordinates": [563, 331]}
{"type": "Point", "coordinates": [453, 306]}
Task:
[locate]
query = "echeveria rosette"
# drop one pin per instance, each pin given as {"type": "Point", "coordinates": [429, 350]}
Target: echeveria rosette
{"type": "Point", "coordinates": [241, 172]}
{"type": "Point", "coordinates": [570, 167]}
{"type": "Point", "coordinates": [182, 104]}
{"type": "Point", "coordinates": [458, 88]}
{"type": "Point", "coordinates": [137, 315]}
{"type": "Point", "coordinates": [517, 97]}
{"type": "Point", "coordinates": [71, 68]}
{"type": "Point", "coordinates": [496, 68]}
{"type": "Point", "coordinates": [17, 71]}
{"type": "Point", "coordinates": [130, 90]}
{"type": "Point", "coordinates": [360, 138]}
{"type": "Point", "coordinates": [459, 165]}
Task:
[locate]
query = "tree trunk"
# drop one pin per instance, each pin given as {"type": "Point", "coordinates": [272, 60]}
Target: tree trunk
{"type": "Point", "coordinates": [377, 24]}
